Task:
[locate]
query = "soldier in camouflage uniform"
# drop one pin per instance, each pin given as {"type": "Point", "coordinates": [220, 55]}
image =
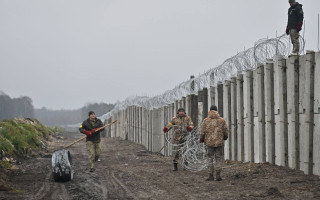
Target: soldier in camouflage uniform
{"type": "Point", "coordinates": [182, 124]}
{"type": "Point", "coordinates": [90, 127]}
{"type": "Point", "coordinates": [213, 132]}
{"type": "Point", "coordinates": [295, 21]}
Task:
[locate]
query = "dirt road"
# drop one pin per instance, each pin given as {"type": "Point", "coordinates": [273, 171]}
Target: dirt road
{"type": "Point", "coordinates": [128, 171]}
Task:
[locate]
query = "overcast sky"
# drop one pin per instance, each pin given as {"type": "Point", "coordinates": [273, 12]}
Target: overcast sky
{"type": "Point", "coordinates": [65, 53]}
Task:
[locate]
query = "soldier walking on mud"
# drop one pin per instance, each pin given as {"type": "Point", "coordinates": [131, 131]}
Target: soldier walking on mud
{"type": "Point", "coordinates": [90, 127]}
{"type": "Point", "coordinates": [182, 124]}
{"type": "Point", "coordinates": [295, 21]}
{"type": "Point", "coordinates": [213, 132]}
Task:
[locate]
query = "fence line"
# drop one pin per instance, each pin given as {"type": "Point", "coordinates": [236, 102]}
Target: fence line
{"type": "Point", "coordinates": [273, 113]}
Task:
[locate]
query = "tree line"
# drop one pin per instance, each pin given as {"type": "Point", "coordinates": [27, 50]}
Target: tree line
{"type": "Point", "coordinates": [64, 117]}
{"type": "Point", "coordinates": [23, 107]}
{"type": "Point", "coordinates": [15, 107]}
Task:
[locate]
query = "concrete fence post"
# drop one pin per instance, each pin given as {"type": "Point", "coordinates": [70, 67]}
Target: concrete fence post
{"type": "Point", "coordinates": [205, 103]}
{"type": "Point", "coordinates": [165, 122]}
{"type": "Point", "coordinates": [150, 129]}
{"type": "Point", "coordinates": [281, 147]}
{"type": "Point", "coordinates": [293, 111]}
{"type": "Point", "coordinates": [138, 128]}
{"type": "Point", "coordinates": [157, 136]}
{"type": "Point", "coordinates": [200, 107]}
{"type": "Point", "coordinates": [110, 128]}
{"type": "Point", "coordinates": [188, 104]}
{"type": "Point", "coordinates": [140, 125]}
{"type": "Point", "coordinates": [234, 123]}
{"type": "Point", "coordinates": [240, 117]}
{"type": "Point", "coordinates": [113, 128]}
{"type": "Point", "coordinates": [306, 108]}
{"type": "Point", "coordinates": [227, 117]}
{"type": "Point", "coordinates": [194, 109]}
{"type": "Point", "coordinates": [212, 94]}
{"type": "Point", "coordinates": [261, 115]}
{"type": "Point", "coordinates": [133, 123]}
{"type": "Point", "coordinates": [219, 99]}
{"type": "Point", "coordinates": [131, 130]}
{"type": "Point", "coordinates": [249, 133]}
{"type": "Point", "coordinates": [316, 115]}
{"type": "Point", "coordinates": [270, 117]}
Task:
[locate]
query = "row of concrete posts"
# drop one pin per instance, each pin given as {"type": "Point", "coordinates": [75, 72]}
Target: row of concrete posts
{"type": "Point", "coordinates": [273, 114]}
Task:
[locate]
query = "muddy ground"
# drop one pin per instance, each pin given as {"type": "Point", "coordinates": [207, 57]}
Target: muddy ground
{"type": "Point", "coordinates": [128, 171]}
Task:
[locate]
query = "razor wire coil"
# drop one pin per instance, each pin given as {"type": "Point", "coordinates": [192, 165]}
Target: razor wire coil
{"type": "Point", "coordinates": [250, 59]}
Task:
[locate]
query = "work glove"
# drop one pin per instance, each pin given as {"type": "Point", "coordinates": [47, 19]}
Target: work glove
{"type": "Point", "coordinates": [165, 129]}
{"type": "Point", "coordinates": [189, 128]}
{"type": "Point", "coordinates": [299, 26]}
{"type": "Point", "coordinates": [88, 133]}
{"type": "Point", "coordinates": [94, 130]}
{"type": "Point", "coordinates": [287, 30]}
{"type": "Point", "coordinates": [201, 140]}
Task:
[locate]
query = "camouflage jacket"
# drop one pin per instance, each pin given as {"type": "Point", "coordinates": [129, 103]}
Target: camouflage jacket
{"type": "Point", "coordinates": [90, 125]}
{"type": "Point", "coordinates": [214, 130]}
{"type": "Point", "coordinates": [180, 124]}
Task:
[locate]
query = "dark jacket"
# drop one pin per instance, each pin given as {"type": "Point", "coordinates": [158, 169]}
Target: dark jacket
{"type": "Point", "coordinates": [295, 15]}
{"type": "Point", "coordinates": [88, 125]}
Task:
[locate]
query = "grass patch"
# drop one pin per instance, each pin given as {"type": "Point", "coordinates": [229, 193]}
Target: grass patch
{"type": "Point", "coordinates": [5, 164]}
{"type": "Point", "coordinates": [17, 135]}
{"type": "Point", "coordinates": [6, 145]}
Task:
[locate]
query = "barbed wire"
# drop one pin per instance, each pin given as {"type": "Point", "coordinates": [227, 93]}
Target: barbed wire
{"type": "Point", "coordinates": [263, 49]}
{"type": "Point", "coordinates": [193, 156]}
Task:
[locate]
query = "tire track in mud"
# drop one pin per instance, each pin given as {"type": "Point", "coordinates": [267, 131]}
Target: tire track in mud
{"type": "Point", "coordinates": [44, 189]}
{"type": "Point", "coordinates": [86, 185]}
{"type": "Point", "coordinates": [101, 184]}
{"type": "Point", "coordinates": [119, 189]}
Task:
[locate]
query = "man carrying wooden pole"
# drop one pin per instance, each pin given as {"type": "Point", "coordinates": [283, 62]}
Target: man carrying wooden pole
{"type": "Point", "coordinates": [92, 128]}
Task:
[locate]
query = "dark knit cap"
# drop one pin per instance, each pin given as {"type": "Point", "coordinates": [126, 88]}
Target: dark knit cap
{"type": "Point", "coordinates": [213, 107]}
{"type": "Point", "coordinates": [91, 112]}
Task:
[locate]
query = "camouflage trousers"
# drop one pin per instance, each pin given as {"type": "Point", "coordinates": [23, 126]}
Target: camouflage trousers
{"type": "Point", "coordinates": [176, 152]}
{"type": "Point", "coordinates": [294, 35]}
{"type": "Point", "coordinates": [215, 158]}
{"type": "Point", "coordinates": [93, 151]}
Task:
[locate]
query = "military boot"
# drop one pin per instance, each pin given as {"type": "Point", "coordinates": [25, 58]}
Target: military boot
{"type": "Point", "coordinates": [175, 166]}
{"type": "Point", "coordinates": [211, 178]}
{"type": "Point", "coordinates": [218, 176]}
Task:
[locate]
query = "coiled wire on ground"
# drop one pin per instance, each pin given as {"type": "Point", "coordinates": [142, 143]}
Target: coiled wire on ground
{"type": "Point", "coordinates": [193, 156]}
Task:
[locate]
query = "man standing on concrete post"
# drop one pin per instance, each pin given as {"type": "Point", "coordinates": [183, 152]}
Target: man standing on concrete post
{"type": "Point", "coordinates": [213, 132]}
{"type": "Point", "coordinates": [90, 127]}
{"type": "Point", "coordinates": [182, 124]}
{"type": "Point", "coordinates": [295, 21]}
